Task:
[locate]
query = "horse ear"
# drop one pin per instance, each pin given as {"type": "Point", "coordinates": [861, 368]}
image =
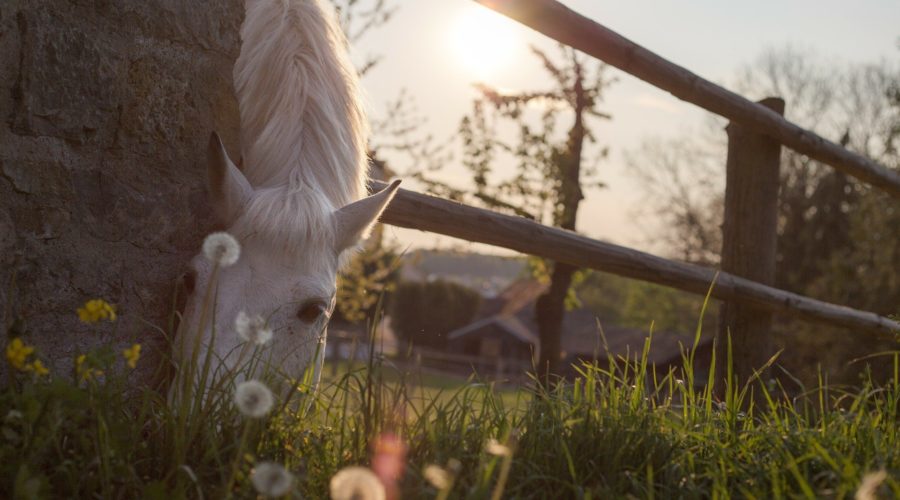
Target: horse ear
{"type": "Point", "coordinates": [356, 219]}
{"type": "Point", "coordinates": [229, 190]}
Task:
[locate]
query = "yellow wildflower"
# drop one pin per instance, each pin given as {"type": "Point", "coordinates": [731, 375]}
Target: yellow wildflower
{"type": "Point", "coordinates": [39, 368]}
{"type": "Point", "coordinates": [79, 365]}
{"type": "Point", "coordinates": [96, 310]}
{"type": "Point", "coordinates": [17, 352]}
{"type": "Point", "coordinates": [132, 355]}
{"type": "Point", "coordinates": [85, 372]}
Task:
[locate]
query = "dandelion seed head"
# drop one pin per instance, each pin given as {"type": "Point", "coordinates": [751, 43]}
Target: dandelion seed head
{"type": "Point", "coordinates": [437, 476]}
{"type": "Point", "coordinates": [868, 488]}
{"type": "Point", "coordinates": [253, 399]}
{"type": "Point", "coordinates": [252, 329]}
{"type": "Point", "coordinates": [495, 448]}
{"type": "Point", "coordinates": [271, 479]}
{"type": "Point", "coordinates": [221, 248]}
{"type": "Point", "coordinates": [356, 483]}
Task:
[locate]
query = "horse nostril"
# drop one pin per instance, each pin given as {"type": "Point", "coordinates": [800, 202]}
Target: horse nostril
{"type": "Point", "coordinates": [311, 311]}
{"type": "Point", "coordinates": [189, 281]}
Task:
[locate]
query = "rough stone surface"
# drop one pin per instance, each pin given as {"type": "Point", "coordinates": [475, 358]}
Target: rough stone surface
{"type": "Point", "coordinates": [105, 110]}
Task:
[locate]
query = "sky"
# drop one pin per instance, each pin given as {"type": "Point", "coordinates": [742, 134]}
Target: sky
{"type": "Point", "coordinates": [437, 49]}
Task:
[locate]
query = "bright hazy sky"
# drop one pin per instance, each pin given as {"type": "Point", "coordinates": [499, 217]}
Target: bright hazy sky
{"type": "Point", "coordinates": [428, 48]}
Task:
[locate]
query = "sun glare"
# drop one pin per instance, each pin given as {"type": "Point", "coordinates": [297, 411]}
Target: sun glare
{"type": "Point", "coordinates": [485, 42]}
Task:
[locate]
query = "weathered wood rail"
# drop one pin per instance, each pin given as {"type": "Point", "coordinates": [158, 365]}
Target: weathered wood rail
{"type": "Point", "coordinates": [429, 213]}
{"type": "Point", "coordinates": [568, 27]}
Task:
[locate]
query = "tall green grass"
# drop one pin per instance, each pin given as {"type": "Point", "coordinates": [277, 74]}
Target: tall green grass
{"type": "Point", "coordinates": [613, 432]}
{"type": "Point", "coordinates": [617, 430]}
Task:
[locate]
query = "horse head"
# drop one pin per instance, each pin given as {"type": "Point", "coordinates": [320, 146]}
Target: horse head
{"type": "Point", "coordinates": [276, 288]}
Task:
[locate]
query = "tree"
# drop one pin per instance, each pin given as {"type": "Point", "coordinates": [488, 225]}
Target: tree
{"type": "Point", "coordinates": [550, 177]}
{"type": "Point", "coordinates": [368, 277]}
{"type": "Point", "coordinates": [838, 237]}
{"type": "Point", "coordinates": [358, 19]}
{"type": "Point", "coordinates": [371, 272]}
{"type": "Point", "coordinates": [616, 300]}
{"type": "Point", "coordinates": [102, 140]}
{"type": "Point", "coordinates": [423, 313]}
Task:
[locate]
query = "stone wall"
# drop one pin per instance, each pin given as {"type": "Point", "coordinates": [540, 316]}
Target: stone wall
{"type": "Point", "coordinates": [105, 110]}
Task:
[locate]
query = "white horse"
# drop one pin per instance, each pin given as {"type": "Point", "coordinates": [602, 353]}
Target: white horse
{"type": "Point", "coordinates": [297, 203]}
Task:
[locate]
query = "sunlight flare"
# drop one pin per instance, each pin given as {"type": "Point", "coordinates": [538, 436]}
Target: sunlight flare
{"type": "Point", "coordinates": [485, 43]}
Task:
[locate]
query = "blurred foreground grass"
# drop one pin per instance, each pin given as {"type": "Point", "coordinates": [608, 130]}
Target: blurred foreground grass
{"type": "Point", "coordinates": [614, 432]}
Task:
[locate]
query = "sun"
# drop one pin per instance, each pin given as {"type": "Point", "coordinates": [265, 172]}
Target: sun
{"type": "Point", "coordinates": [485, 42]}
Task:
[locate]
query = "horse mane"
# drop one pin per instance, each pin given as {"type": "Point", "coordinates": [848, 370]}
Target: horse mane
{"type": "Point", "coordinates": [303, 126]}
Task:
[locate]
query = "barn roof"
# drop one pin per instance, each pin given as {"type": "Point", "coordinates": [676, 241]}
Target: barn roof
{"type": "Point", "coordinates": [583, 335]}
{"type": "Point", "coordinates": [507, 323]}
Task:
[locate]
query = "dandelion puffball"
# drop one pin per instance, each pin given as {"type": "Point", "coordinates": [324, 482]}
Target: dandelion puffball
{"type": "Point", "coordinates": [221, 248]}
{"type": "Point", "coordinates": [437, 476]}
{"type": "Point", "coordinates": [252, 328]}
{"type": "Point", "coordinates": [271, 479]}
{"type": "Point", "coordinates": [495, 448]}
{"type": "Point", "coordinates": [357, 483]}
{"type": "Point", "coordinates": [868, 489]}
{"type": "Point", "coordinates": [253, 398]}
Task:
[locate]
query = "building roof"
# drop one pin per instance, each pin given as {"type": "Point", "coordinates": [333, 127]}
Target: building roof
{"type": "Point", "coordinates": [582, 334]}
{"type": "Point", "coordinates": [509, 324]}
{"type": "Point", "coordinates": [510, 311]}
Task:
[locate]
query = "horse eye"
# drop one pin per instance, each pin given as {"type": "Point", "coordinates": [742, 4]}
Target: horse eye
{"type": "Point", "coordinates": [311, 311]}
{"type": "Point", "coordinates": [189, 280]}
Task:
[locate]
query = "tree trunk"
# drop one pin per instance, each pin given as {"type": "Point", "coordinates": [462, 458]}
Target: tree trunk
{"type": "Point", "coordinates": [550, 307]}
{"type": "Point", "coordinates": [549, 311]}
{"type": "Point", "coordinates": [107, 109]}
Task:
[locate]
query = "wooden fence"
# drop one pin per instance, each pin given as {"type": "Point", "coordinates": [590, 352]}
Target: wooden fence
{"type": "Point", "coordinates": [756, 133]}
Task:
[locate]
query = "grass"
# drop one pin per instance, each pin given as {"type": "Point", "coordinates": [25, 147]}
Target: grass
{"type": "Point", "coordinates": [616, 431]}
{"type": "Point", "coordinates": [611, 433]}
{"type": "Point", "coordinates": [422, 387]}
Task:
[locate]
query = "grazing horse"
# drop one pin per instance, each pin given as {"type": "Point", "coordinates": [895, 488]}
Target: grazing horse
{"type": "Point", "coordinates": [297, 205]}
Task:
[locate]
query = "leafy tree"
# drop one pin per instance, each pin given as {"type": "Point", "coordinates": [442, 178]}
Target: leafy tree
{"type": "Point", "coordinates": [357, 19]}
{"type": "Point", "coordinates": [423, 313]}
{"type": "Point", "coordinates": [621, 301]}
{"type": "Point", "coordinates": [371, 272]}
{"type": "Point", "coordinates": [367, 279]}
{"type": "Point", "coordinates": [550, 177]}
{"type": "Point", "coordinates": [838, 237]}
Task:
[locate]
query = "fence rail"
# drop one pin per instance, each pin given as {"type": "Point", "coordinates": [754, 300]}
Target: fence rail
{"type": "Point", "coordinates": [429, 213]}
{"type": "Point", "coordinates": [566, 26]}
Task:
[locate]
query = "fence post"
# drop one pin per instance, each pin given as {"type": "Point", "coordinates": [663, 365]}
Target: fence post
{"type": "Point", "coordinates": [749, 235]}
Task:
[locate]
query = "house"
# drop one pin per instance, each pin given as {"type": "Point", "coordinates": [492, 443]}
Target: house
{"type": "Point", "coordinates": [504, 329]}
{"type": "Point", "coordinates": [503, 337]}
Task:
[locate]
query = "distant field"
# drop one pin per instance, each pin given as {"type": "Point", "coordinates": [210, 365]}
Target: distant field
{"type": "Point", "coordinates": [424, 386]}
